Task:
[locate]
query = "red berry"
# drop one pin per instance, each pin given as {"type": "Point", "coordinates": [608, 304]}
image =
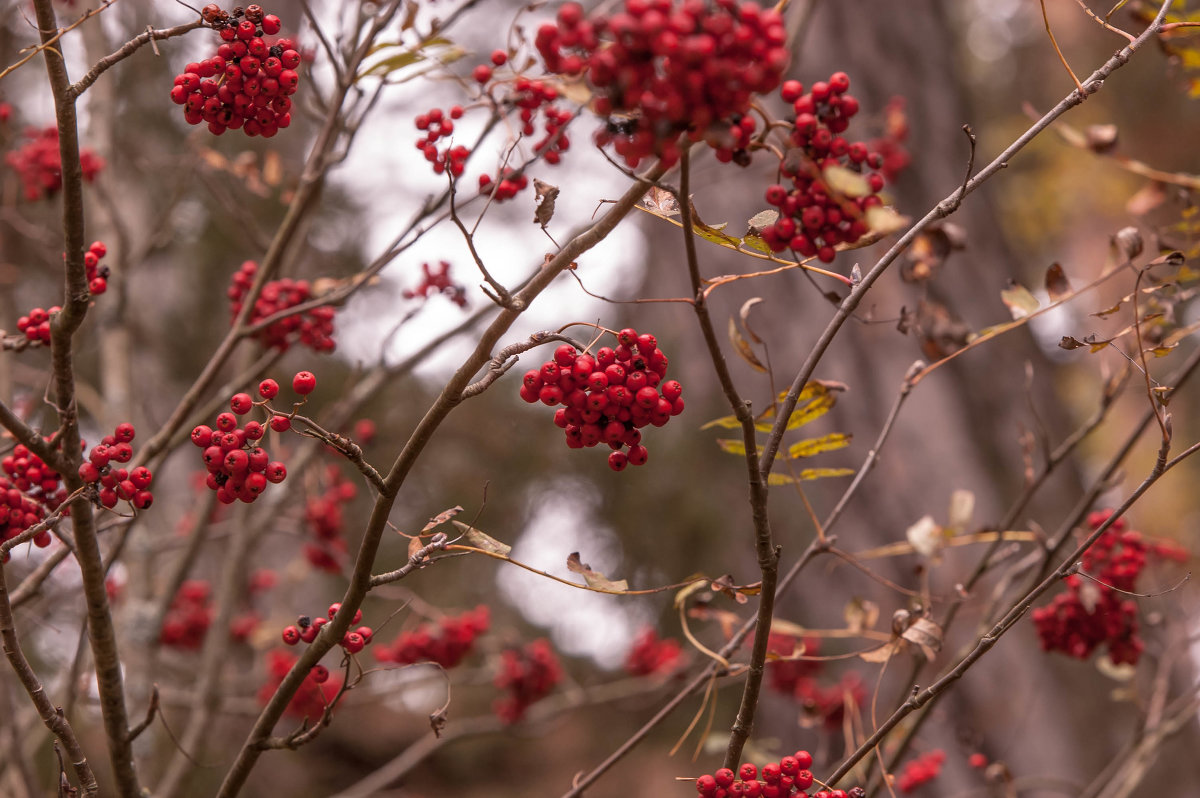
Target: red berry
{"type": "Point", "coordinates": [268, 389]}
{"type": "Point", "coordinates": [241, 403]}
{"type": "Point", "coordinates": [482, 73]}
{"type": "Point", "coordinates": [281, 423]}
{"type": "Point", "coordinates": [499, 57]}
{"type": "Point", "coordinates": [291, 635]}
{"type": "Point", "coordinates": [304, 382]}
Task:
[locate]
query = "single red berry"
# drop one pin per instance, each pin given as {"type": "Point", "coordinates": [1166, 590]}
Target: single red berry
{"type": "Point", "coordinates": [499, 57]}
{"type": "Point", "coordinates": [304, 382]}
{"type": "Point", "coordinates": [353, 642]}
{"type": "Point", "coordinates": [124, 432]}
{"type": "Point", "coordinates": [482, 73]}
{"type": "Point", "coordinates": [268, 389]}
{"type": "Point", "coordinates": [291, 635]}
{"type": "Point", "coordinates": [281, 423]}
{"type": "Point", "coordinates": [241, 403]}
{"type": "Point", "coordinates": [617, 461]}
{"type": "Point", "coordinates": [320, 674]}
{"type": "Point", "coordinates": [276, 472]}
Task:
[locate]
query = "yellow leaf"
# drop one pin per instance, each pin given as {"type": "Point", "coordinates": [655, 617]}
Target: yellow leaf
{"type": "Point", "coordinates": [846, 182]}
{"type": "Point", "coordinates": [1018, 300]}
{"type": "Point", "coordinates": [725, 422]}
{"type": "Point", "coordinates": [779, 479]}
{"type": "Point", "coordinates": [821, 473]}
{"type": "Point", "coordinates": [732, 446]}
{"type": "Point", "coordinates": [819, 406]}
{"type": "Point", "coordinates": [884, 221]}
{"type": "Point", "coordinates": [813, 446]}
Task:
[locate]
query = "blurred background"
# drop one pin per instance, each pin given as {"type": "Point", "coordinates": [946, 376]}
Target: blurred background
{"type": "Point", "coordinates": [181, 210]}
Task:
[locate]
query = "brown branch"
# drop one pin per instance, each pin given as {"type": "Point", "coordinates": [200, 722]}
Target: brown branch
{"type": "Point", "coordinates": [940, 211]}
{"type": "Point", "coordinates": [129, 48]}
{"type": "Point", "coordinates": [507, 358]}
{"type": "Point", "coordinates": [53, 717]}
{"type": "Point", "coordinates": [448, 399]}
{"type": "Point", "coordinates": [344, 446]}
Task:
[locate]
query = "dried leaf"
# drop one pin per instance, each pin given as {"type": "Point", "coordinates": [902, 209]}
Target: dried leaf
{"type": "Point", "coordinates": [1057, 284]}
{"type": "Point", "coordinates": [926, 536]}
{"type": "Point", "coordinates": [272, 170]}
{"type": "Point", "coordinates": [544, 197]}
{"type": "Point", "coordinates": [962, 507]}
{"type": "Point", "coordinates": [744, 314]}
{"type": "Point", "coordinates": [927, 635]}
{"type": "Point", "coordinates": [761, 221]}
{"type": "Point", "coordinates": [846, 182]}
{"type": "Point", "coordinates": [1018, 300]}
{"type": "Point", "coordinates": [812, 446]}
{"type": "Point", "coordinates": [414, 546]}
{"type": "Point", "coordinates": [1068, 342]}
{"type": "Point", "coordinates": [441, 518]}
{"type": "Point", "coordinates": [725, 586]}
{"type": "Point", "coordinates": [882, 653]}
{"type": "Point", "coordinates": [860, 614]}
{"type": "Point", "coordinates": [742, 346]}
{"type": "Point", "coordinates": [661, 202]}
{"type": "Point", "coordinates": [713, 233]}
{"type": "Point", "coordinates": [480, 540]}
{"type": "Point", "coordinates": [1101, 138]}
{"type": "Point", "coordinates": [1146, 199]}
{"type": "Point", "coordinates": [685, 592]}
{"type": "Point", "coordinates": [594, 578]}
{"type": "Point", "coordinates": [884, 220]}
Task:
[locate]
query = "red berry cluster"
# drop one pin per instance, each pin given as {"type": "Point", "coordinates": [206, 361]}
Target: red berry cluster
{"type": "Point", "coordinates": [97, 275]}
{"type": "Point", "coordinates": [113, 482]}
{"type": "Point", "coordinates": [652, 655]}
{"type": "Point", "coordinates": [531, 96]}
{"type": "Point", "coordinates": [790, 776]}
{"type": "Point", "coordinates": [189, 617]}
{"type": "Point", "coordinates": [509, 186]}
{"type": "Point", "coordinates": [314, 694]}
{"type": "Point", "coordinates": [248, 83]}
{"type": "Point", "coordinates": [35, 325]}
{"type": "Point", "coordinates": [325, 520]}
{"type": "Point", "coordinates": [447, 642]}
{"type": "Point", "coordinates": [29, 488]}
{"type": "Point", "coordinates": [528, 674]}
{"type": "Point", "coordinates": [785, 674]}
{"type": "Point", "coordinates": [438, 282]}
{"type": "Point", "coordinates": [314, 327]}
{"type": "Point", "coordinates": [921, 770]}
{"type": "Point", "coordinates": [890, 146]}
{"type": "Point", "coordinates": [238, 467]}
{"type": "Point", "coordinates": [436, 124]}
{"type": "Point", "coordinates": [813, 217]}
{"type": "Point", "coordinates": [39, 164]}
{"type": "Point", "coordinates": [665, 68]}
{"type": "Point", "coordinates": [609, 397]}
{"type": "Point", "coordinates": [1091, 613]}
{"type": "Point", "coordinates": [306, 629]}
{"type": "Point", "coordinates": [821, 702]}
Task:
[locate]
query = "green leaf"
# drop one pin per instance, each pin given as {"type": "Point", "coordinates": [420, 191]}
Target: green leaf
{"type": "Point", "coordinates": [813, 446]}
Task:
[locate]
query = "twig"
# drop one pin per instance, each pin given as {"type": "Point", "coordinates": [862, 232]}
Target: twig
{"type": "Point", "coordinates": [507, 358]}
{"type": "Point", "coordinates": [346, 447]}
{"type": "Point", "coordinates": [129, 48]}
{"type": "Point", "coordinates": [419, 559]}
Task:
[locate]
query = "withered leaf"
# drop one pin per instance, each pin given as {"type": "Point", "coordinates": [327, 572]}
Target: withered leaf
{"type": "Point", "coordinates": [744, 314]}
{"type": "Point", "coordinates": [480, 540]}
{"type": "Point", "coordinates": [594, 578]}
{"type": "Point", "coordinates": [742, 346]}
{"type": "Point", "coordinates": [544, 197]}
{"type": "Point", "coordinates": [925, 634]}
{"type": "Point", "coordinates": [1018, 300]}
{"type": "Point", "coordinates": [1057, 284]}
{"type": "Point", "coordinates": [441, 518]}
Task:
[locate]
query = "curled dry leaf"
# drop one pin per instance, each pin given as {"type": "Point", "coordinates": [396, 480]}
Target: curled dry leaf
{"type": "Point", "coordinates": [1019, 301]}
{"type": "Point", "coordinates": [441, 518]}
{"type": "Point", "coordinates": [744, 315]}
{"type": "Point", "coordinates": [860, 614]}
{"type": "Point", "coordinates": [742, 346]}
{"type": "Point", "coordinates": [1057, 284]}
{"type": "Point", "coordinates": [1101, 138]}
{"type": "Point", "coordinates": [594, 578]}
{"type": "Point", "coordinates": [926, 536]}
{"type": "Point", "coordinates": [480, 540]}
{"type": "Point", "coordinates": [544, 197]}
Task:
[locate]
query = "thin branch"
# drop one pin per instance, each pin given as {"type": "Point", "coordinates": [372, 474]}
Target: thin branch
{"type": "Point", "coordinates": [129, 48]}
{"type": "Point", "coordinates": [940, 211]}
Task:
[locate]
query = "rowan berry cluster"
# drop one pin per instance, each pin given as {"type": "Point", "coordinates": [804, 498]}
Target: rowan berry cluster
{"type": "Point", "coordinates": [918, 771]}
{"type": "Point", "coordinates": [1091, 613]}
{"type": "Point", "coordinates": [652, 655]}
{"type": "Point", "coordinates": [238, 467]}
{"type": "Point", "coordinates": [39, 164]}
{"type": "Point", "coordinates": [189, 616]}
{"type": "Point", "coordinates": [664, 68]}
{"type": "Point", "coordinates": [111, 481]}
{"type": "Point", "coordinates": [814, 216]}
{"type": "Point", "coordinates": [436, 124]}
{"type": "Point", "coordinates": [314, 694]}
{"type": "Point", "coordinates": [509, 186]}
{"type": "Point", "coordinates": [97, 275]}
{"type": "Point", "coordinates": [35, 325]}
{"type": "Point", "coordinates": [248, 83]}
{"type": "Point", "coordinates": [447, 642]}
{"type": "Point", "coordinates": [608, 397]}
{"type": "Point", "coordinates": [821, 702]}
{"type": "Point", "coordinates": [790, 776]}
{"type": "Point", "coordinates": [528, 674]}
{"type": "Point", "coordinates": [323, 515]}
{"type": "Point", "coordinates": [313, 327]}
{"type": "Point", "coordinates": [437, 281]}
{"type": "Point", "coordinates": [29, 488]}
{"type": "Point", "coordinates": [306, 628]}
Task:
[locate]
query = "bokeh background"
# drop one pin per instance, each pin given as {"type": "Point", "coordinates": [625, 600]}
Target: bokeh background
{"type": "Point", "coordinates": [181, 210]}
